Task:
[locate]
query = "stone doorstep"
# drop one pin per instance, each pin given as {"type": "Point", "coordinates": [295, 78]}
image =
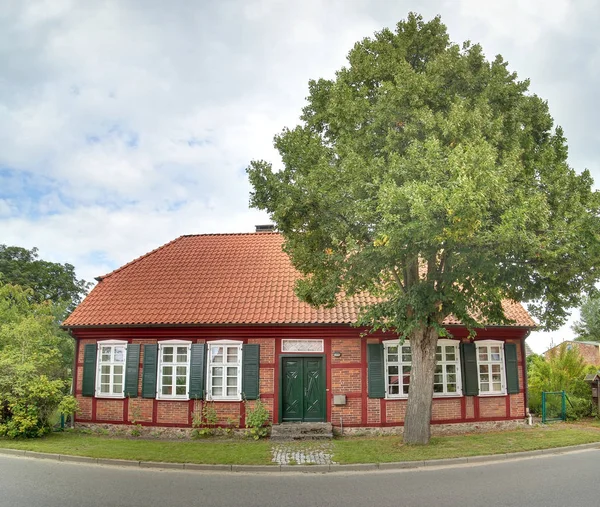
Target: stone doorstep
{"type": "Point", "coordinates": [302, 431]}
{"type": "Point", "coordinates": [294, 437]}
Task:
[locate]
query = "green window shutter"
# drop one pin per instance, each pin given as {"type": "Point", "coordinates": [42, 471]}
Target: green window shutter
{"type": "Point", "coordinates": [197, 369]}
{"type": "Point", "coordinates": [149, 373]}
{"type": "Point", "coordinates": [512, 368]}
{"type": "Point", "coordinates": [89, 370]}
{"type": "Point", "coordinates": [250, 371]}
{"type": "Point", "coordinates": [376, 371]}
{"type": "Point", "coordinates": [470, 376]}
{"type": "Point", "coordinates": [132, 370]}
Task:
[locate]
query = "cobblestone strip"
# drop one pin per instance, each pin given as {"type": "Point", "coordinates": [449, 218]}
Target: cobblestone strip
{"type": "Point", "coordinates": [297, 455]}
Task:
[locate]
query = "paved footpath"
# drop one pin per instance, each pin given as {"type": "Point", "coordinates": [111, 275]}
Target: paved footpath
{"type": "Point", "coordinates": [294, 454]}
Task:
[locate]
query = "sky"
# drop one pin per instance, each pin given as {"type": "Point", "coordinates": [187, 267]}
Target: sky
{"type": "Point", "coordinates": [124, 124]}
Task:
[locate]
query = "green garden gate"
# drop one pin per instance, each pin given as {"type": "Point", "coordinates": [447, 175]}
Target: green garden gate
{"type": "Point", "coordinates": [554, 406]}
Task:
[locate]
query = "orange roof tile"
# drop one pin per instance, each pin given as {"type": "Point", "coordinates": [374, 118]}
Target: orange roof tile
{"type": "Point", "coordinates": [216, 279]}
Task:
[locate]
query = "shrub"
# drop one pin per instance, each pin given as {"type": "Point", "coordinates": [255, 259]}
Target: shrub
{"type": "Point", "coordinates": [29, 405]}
{"type": "Point", "coordinates": [205, 421]}
{"type": "Point", "coordinates": [257, 419]}
{"type": "Point", "coordinates": [578, 407]}
{"type": "Point", "coordinates": [563, 371]}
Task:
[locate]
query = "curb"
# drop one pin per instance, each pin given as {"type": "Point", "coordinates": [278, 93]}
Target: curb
{"type": "Point", "coordinates": [354, 467]}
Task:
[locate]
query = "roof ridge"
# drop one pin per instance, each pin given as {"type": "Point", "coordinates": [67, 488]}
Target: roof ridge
{"type": "Point", "coordinates": [261, 233]}
{"type": "Point", "coordinates": [137, 259]}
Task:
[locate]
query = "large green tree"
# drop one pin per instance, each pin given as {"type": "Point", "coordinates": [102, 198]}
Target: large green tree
{"type": "Point", "coordinates": [588, 325]}
{"type": "Point", "coordinates": [431, 178]}
{"type": "Point", "coordinates": [50, 281]}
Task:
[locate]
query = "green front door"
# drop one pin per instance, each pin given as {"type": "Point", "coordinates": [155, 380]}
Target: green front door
{"type": "Point", "coordinates": [303, 389]}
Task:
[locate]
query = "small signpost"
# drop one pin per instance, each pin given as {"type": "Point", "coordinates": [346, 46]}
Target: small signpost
{"type": "Point", "coordinates": [594, 380]}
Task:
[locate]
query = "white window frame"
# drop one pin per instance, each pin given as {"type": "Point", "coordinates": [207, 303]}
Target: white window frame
{"type": "Point", "coordinates": [403, 363]}
{"type": "Point", "coordinates": [99, 363]}
{"type": "Point", "coordinates": [400, 363]}
{"type": "Point", "coordinates": [443, 343]}
{"type": "Point", "coordinates": [209, 368]}
{"type": "Point", "coordinates": [174, 364]}
{"type": "Point", "coordinates": [489, 363]}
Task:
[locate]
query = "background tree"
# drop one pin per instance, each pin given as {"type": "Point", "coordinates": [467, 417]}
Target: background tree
{"type": "Point", "coordinates": [432, 179]}
{"type": "Point", "coordinates": [588, 325]}
{"type": "Point", "coordinates": [35, 360]}
{"type": "Point", "coordinates": [50, 281]}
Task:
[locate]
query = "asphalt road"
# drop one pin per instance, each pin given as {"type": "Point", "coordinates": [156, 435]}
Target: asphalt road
{"type": "Point", "coordinates": [569, 479]}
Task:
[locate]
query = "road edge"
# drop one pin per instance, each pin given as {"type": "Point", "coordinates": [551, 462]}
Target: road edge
{"type": "Point", "coordinates": [354, 467]}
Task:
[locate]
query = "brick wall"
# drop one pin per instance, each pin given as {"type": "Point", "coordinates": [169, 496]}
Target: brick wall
{"type": "Point", "coordinates": [267, 382]}
{"type": "Point", "coordinates": [494, 406]}
{"type": "Point", "coordinates": [227, 412]}
{"type": "Point", "coordinates": [140, 410]}
{"type": "Point", "coordinates": [349, 349]}
{"type": "Point", "coordinates": [351, 412]}
{"type": "Point", "coordinates": [395, 411]}
{"type": "Point", "coordinates": [517, 405]}
{"type": "Point", "coordinates": [79, 384]}
{"type": "Point", "coordinates": [470, 407]}
{"type": "Point", "coordinates": [446, 410]}
{"type": "Point", "coordinates": [172, 412]}
{"type": "Point", "coordinates": [82, 344]}
{"type": "Point", "coordinates": [267, 349]}
{"type": "Point", "coordinates": [589, 352]}
{"type": "Point", "coordinates": [85, 408]}
{"type": "Point", "coordinates": [373, 411]}
{"type": "Point", "coordinates": [267, 402]}
{"type": "Point", "coordinates": [344, 381]}
{"type": "Point", "coordinates": [109, 410]}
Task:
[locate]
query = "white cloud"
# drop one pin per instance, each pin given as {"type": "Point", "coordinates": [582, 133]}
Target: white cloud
{"type": "Point", "coordinates": [124, 124]}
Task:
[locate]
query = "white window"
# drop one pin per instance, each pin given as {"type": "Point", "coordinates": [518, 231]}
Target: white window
{"type": "Point", "coordinates": [224, 370]}
{"type": "Point", "coordinates": [110, 379]}
{"type": "Point", "coordinates": [446, 379]}
{"type": "Point", "coordinates": [173, 370]}
{"type": "Point", "coordinates": [398, 362]}
{"type": "Point", "coordinates": [398, 359]}
{"type": "Point", "coordinates": [490, 366]}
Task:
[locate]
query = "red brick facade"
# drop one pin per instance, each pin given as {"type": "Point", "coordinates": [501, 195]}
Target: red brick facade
{"type": "Point", "coordinates": [345, 353]}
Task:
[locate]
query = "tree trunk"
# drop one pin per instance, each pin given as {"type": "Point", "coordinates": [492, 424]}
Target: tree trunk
{"type": "Point", "coordinates": [423, 344]}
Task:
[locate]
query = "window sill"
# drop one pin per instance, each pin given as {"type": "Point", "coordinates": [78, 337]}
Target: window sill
{"type": "Point", "coordinates": [491, 395]}
{"type": "Point", "coordinates": [239, 398]}
{"type": "Point", "coordinates": [110, 396]}
{"type": "Point", "coordinates": [435, 397]}
{"type": "Point", "coordinates": [172, 398]}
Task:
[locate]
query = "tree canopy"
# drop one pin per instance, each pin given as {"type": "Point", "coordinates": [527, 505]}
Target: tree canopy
{"type": "Point", "coordinates": [50, 281]}
{"type": "Point", "coordinates": [431, 178]}
{"type": "Point", "coordinates": [35, 361]}
{"type": "Point", "coordinates": [588, 325]}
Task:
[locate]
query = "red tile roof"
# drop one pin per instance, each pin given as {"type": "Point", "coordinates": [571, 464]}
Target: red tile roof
{"type": "Point", "coordinates": [215, 279]}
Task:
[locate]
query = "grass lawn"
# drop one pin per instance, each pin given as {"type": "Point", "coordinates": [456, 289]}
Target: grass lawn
{"type": "Point", "coordinates": [209, 451]}
{"type": "Point", "coordinates": [389, 449]}
{"type": "Point", "coordinates": [345, 450]}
